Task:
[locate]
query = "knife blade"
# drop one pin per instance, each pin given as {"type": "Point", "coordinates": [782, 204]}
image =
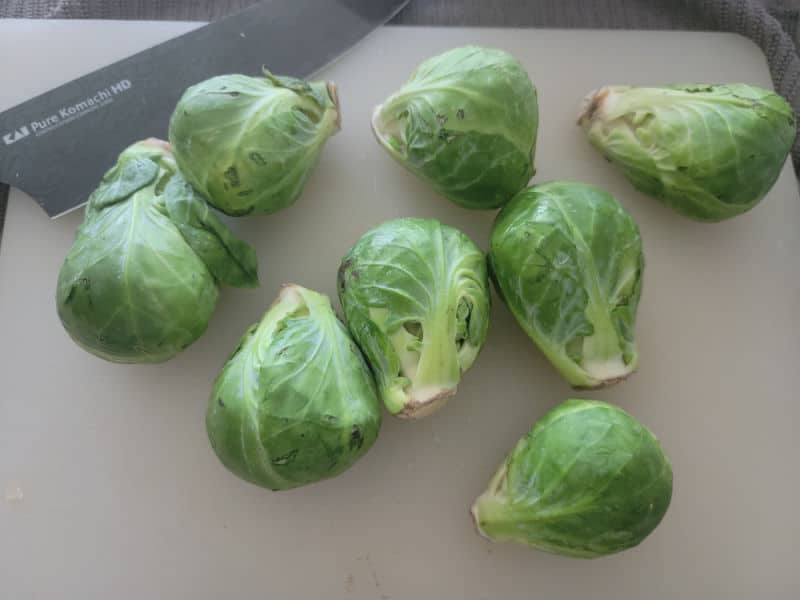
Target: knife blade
{"type": "Point", "coordinates": [4, 191]}
{"type": "Point", "coordinates": [56, 146]}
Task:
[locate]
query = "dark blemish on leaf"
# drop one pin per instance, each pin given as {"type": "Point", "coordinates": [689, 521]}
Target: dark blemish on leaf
{"type": "Point", "coordinates": [445, 135]}
{"type": "Point", "coordinates": [285, 459]}
{"type": "Point", "coordinates": [594, 105]}
{"type": "Point", "coordinates": [258, 159]}
{"type": "Point", "coordinates": [283, 350]}
{"type": "Point", "coordinates": [71, 294]}
{"type": "Point", "coordinates": [220, 402]}
{"type": "Point", "coordinates": [85, 283]}
{"type": "Point", "coordinates": [696, 90]}
{"type": "Point", "coordinates": [752, 156]}
{"type": "Point", "coordinates": [331, 418]}
{"type": "Point", "coordinates": [460, 114]}
{"type": "Point", "coordinates": [233, 94]}
{"type": "Point", "coordinates": [235, 352]}
{"type": "Point", "coordinates": [232, 176]}
{"type": "Point", "coordinates": [441, 118]}
{"type": "Point", "coordinates": [683, 168]}
{"type": "Point", "coordinates": [244, 193]}
{"type": "Point", "coordinates": [310, 115]}
{"type": "Point", "coordinates": [241, 213]}
{"type": "Point", "coordinates": [415, 327]}
{"type": "Point", "coordinates": [340, 276]}
{"type": "Point", "coordinates": [356, 438]}
{"type": "Point", "coordinates": [101, 339]}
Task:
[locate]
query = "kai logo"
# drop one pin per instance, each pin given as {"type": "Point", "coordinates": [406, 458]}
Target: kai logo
{"type": "Point", "coordinates": [16, 136]}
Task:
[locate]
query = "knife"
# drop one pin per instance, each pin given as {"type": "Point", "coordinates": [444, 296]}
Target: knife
{"type": "Point", "coordinates": [4, 191]}
{"type": "Point", "coordinates": [58, 145]}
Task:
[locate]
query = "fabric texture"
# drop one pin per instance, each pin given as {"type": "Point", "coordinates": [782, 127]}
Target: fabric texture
{"type": "Point", "coordinates": [772, 24]}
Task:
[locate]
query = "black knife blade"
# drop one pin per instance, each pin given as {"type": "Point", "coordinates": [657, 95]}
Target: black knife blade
{"type": "Point", "coordinates": [57, 146]}
{"type": "Point", "coordinates": [4, 191]}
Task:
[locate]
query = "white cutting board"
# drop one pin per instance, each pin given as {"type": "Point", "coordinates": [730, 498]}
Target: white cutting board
{"type": "Point", "coordinates": [121, 496]}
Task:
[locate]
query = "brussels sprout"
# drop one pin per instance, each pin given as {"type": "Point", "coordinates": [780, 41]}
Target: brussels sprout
{"type": "Point", "coordinates": [466, 123]}
{"type": "Point", "coordinates": [249, 144]}
{"type": "Point", "coordinates": [587, 480]}
{"type": "Point", "coordinates": [295, 403]}
{"type": "Point", "coordinates": [567, 259]}
{"type": "Point", "coordinates": [139, 283]}
{"type": "Point", "coordinates": [711, 152]}
{"type": "Point", "coordinates": [416, 298]}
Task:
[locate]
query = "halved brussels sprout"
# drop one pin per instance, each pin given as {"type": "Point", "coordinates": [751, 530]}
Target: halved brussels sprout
{"type": "Point", "coordinates": [711, 152]}
{"type": "Point", "coordinates": [567, 259]}
{"type": "Point", "coordinates": [249, 143]}
{"type": "Point", "coordinates": [416, 299]}
{"type": "Point", "coordinates": [295, 403]}
{"type": "Point", "coordinates": [465, 122]}
{"type": "Point", "coordinates": [587, 480]}
{"type": "Point", "coordinates": [139, 283]}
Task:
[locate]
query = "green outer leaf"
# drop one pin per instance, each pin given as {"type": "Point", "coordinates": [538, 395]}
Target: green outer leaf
{"type": "Point", "coordinates": [466, 122]}
{"type": "Point", "coordinates": [132, 288]}
{"type": "Point", "coordinates": [567, 260]}
{"type": "Point", "coordinates": [124, 180]}
{"type": "Point", "coordinates": [408, 279]}
{"type": "Point", "coordinates": [587, 480]}
{"type": "Point", "coordinates": [711, 152]}
{"type": "Point", "coordinates": [230, 260]}
{"type": "Point", "coordinates": [248, 144]}
{"type": "Point", "coordinates": [295, 403]}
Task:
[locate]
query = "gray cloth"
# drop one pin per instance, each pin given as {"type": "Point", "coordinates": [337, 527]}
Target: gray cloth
{"type": "Point", "coordinates": [772, 24]}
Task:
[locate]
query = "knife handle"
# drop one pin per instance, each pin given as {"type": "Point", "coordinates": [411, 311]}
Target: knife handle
{"type": "Point", "coordinates": [4, 191]}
